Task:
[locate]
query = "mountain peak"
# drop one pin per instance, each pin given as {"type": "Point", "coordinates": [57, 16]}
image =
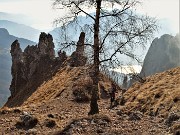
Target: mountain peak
{"type": "Point", "coordinates": [162, 55]}
{"type": "Point", "coordinates": [4, 32]}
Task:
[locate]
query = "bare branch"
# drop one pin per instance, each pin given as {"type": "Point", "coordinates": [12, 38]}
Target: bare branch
{"type": "Point", "coordinates": [140, 33]}
{"type": "Point", "coordinates": [83, 11]}
{"type": "Point", "coordinates": [116, 13]}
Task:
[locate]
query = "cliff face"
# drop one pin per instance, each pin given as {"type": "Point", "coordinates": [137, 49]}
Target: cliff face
{"type": "Point", "coordinates": [34, 66]}
{"type": "Point", "coordinates": [163, 54]}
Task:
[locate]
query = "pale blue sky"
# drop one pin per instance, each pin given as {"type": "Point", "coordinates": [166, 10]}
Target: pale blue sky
{"type": "Point", "coordinates": [42, 14]}
{"type": "Point", "coordinates": [40, 11]}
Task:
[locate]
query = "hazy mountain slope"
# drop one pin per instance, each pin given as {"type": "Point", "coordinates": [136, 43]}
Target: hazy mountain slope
{"type": "Point", "coordinates": [5, 76]}
{"type": "Point", "coordinates": [6, 39]}
{"type": "Point", "coordinates": [16, 18]}
{"type": "Point", "coordinates": [5, 60]}
{"type": "Point", "coordinates": [163, 54]}
{"type": "Point", "coordinates": [20, 30]}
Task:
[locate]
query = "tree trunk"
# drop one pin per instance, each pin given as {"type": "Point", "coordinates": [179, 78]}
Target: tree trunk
{"type": "Point", "coordinates": [94, 105]}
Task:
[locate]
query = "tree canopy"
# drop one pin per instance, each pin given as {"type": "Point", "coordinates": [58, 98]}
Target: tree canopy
{"type": "Point", "coordinates": [114, 29]}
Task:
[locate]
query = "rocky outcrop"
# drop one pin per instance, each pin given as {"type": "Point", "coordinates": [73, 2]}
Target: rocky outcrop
{"type": "Point", "coordinates": [77, 58]}
{"type": "Point", "coordinates": [31, 67]}
{"type": "Point", "coordinates": [5, 61]}
{"type": "Point", "coordinates": [46, 45]}
{"type": "Point", "coordinates": [163, 54]}
{"type": "Point", "coordinates": [80, 44]}
{"type": "Point", "coordinates": [16, 71]}
{"type": "Point", "coordinates": [38, 64]}
{"type": "Point", "coordinates": [62, 55]}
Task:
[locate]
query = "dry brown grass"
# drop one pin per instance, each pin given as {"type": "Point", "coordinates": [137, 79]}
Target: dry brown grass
{"type": "Point", "coordinates": [67, 82]}
{"type": "Point", "coordinates": [62, 81]}
{"type": "Point", "coordinates": [160, 94]}
{"type": "Point", "coordinates": [53, 105]}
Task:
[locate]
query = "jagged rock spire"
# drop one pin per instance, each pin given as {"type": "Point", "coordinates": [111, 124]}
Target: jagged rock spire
{"type": "Point", "coordinates": [32, 67]}
{"type": "Point", "coordinates": [16, 51]}
{"type": "Point", "coordinates": [37, 64]}
{"type": "Point", "coordinates": [77, 58]}
{"type": "Point", "coordinates": [80, 44]}
{"type": "Point", "coordinates": [46, 45]}
{"type": "Point", "coordinates": [17, 62]}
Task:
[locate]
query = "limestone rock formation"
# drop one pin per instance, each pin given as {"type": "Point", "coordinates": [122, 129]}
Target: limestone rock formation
{"type": "Point", "coordinates": [77, 58]}
{"type": "Point", "coordinates": [16, 71]}
{"type": "Point", "coordinates": [80, 44]}
{"type": "Point", "coordinates": [163, 54]}
{"type": "Point", "coordinates": [62, 56]}
{"type": "Point", "coordinates": [38, 64]}
{"type": "Point", "coordinates": [46, 45]}
{"type": "Point", "coordinates": [5, 61]}
{"type": "Point", "coordinates": [31, 67]}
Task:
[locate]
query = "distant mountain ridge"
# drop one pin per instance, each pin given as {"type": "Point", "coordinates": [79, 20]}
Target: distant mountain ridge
{"type": "Point", "coordinates": [6, 39]}
{"type": "Point", "coordinates": [20, 30]}
{"type": "Point", "coordinates": [15, 18]}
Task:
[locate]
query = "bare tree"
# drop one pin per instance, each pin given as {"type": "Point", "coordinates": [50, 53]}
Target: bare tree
{"type": "Point", "coordinates": [116, 29]}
